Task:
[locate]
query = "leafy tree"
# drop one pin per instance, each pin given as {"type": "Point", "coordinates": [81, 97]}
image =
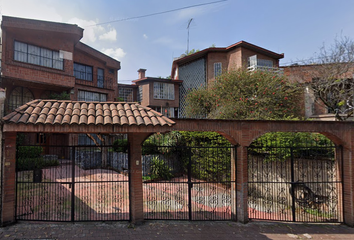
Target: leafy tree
{"type": "Point", "coordinates": [330, 77]}
{"type": "Point", "coordinates": [241, 94]}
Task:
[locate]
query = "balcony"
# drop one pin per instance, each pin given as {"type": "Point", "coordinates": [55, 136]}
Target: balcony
{"type": "Point", "coordinates": [105, 83]}
{"type": "Point", "coordinates": [279, 71]}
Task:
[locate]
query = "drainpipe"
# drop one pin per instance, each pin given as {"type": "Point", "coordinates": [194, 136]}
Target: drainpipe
{"type": "Point", "coordinates": [2, 106]}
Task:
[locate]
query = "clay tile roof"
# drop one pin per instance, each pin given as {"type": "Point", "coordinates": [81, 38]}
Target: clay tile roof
{"type": "Point", "coordinates": [94, 113]}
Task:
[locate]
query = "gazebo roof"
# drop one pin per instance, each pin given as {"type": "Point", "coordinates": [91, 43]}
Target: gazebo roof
{"type": "Point", "coordinates": [64, 112]}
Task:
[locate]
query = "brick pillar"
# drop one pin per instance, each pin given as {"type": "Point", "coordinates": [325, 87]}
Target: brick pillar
{"type": "Point", "coordinates": [233, 184]}
{"type": "Point", "coordinates": [135, 177]}
{"type": "Point", "coordinates": [9, 179]}
{"type": "Point", "coordinates": [348, 185]}
{"type": "Point", "coordinates": [241, 185]}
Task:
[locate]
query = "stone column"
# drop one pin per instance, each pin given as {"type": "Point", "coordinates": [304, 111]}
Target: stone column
{"type": "Point", "coordinates": [135, 177]}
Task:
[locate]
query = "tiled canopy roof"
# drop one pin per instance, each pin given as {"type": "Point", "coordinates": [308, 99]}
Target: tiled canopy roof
{"type": "Point", "coordinates": [86, 113]}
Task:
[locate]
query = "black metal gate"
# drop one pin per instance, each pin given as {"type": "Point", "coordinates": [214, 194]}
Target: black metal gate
{"type": "Point", "coordinates": [300, 184]}
{"type": "Point", "coordinates": [77, 183]}
{"type": "Point", "coordinates": [189, 183]}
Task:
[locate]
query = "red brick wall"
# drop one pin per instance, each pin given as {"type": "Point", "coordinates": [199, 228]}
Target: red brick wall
{"type": "Point", "coordinates": [95, 63]}
{"type": "Point", "coordinates": [148, 96]}
{"type": "Point", "coordinates": [31, 72]}
{"type": "Point", "coordinates": [215, 57]}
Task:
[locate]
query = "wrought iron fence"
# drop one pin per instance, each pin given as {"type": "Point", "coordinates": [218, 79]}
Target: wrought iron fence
{"type": "Point", "coordinates": [76, 183]}
{"type": "Point", "coordinates": [188, 182]}
{"type": "Point", "coordinates": [302, 184]}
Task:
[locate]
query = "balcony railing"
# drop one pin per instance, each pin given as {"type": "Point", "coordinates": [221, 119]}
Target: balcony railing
{"type": "Point", "coordinates": [263, 68]}
{"type": "Point", "coordinates": [106, 83]}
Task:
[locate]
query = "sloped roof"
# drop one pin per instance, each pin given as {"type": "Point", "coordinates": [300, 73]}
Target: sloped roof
{"type": "Point", "coordinates": [60, 112]}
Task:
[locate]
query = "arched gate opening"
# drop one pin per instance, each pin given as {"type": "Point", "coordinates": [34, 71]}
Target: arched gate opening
{"type": "Point", "coordinates": [188, 176]}
{"type": "Point", "coordinates": [295, 177]}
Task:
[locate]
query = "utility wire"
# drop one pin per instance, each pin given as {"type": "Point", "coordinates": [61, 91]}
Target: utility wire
{"type": "Point", "coordinates": [158, 13]}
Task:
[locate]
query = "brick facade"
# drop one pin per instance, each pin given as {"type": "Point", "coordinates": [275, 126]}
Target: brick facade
{"type": "Point", "coordinates": [200, 69]}
{"type": "Point", "coordinates": [40, 80]}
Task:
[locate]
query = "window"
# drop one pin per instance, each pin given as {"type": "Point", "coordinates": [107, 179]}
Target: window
{"type": "Point", "coordinates": [140, 94]}
{"type": "Point", "coordinates": [126, 94]}
{"type": "Point", "coordinates": [265, 63]}
{"type": "Point", "coordinates": [166, 111]}
{"type": "Point", "coordinates": [28, 53]}
{"type": "Point", "coordinates": [253, 61]}
{"type": "Point", "coordinates": [100, 77]}
{"type": "Point", "coordinates": [18, 97]}
{"type": "Point", "coordinates": [217, 69]}
{"type": "Point", "coordinates": [164, 91]}
{"type": "Point", "coordinates": [91, 96]}
{"type": "Point", "coordinates": [83, 72]}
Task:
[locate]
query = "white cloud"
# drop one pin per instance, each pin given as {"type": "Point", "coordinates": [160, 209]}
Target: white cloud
{"type": "Point", "coordinates": [117, 53]}
{"type": "Point", "coordinates": [109, 36]}
{"type": "Point", "coordinates": [145, 36]}
{"type": "Point", "coordinates": [34, 9]}
{"type": "Point", "coordinates": [91, 30]}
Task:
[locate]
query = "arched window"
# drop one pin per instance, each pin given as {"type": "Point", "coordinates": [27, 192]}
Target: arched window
{"type": "Point", "coordinates": [18, 97]}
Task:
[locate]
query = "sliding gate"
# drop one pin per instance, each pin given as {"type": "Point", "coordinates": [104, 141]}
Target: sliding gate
{"type": "Point", "coordinates": [189, 183]}
{"type": "Point", "coordinates": [299, 184]}
{"type": "Point", "coordinates": [71, 184]}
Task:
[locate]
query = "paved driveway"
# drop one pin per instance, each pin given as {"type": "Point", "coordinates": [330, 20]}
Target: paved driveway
{"type": "Point", "coordinates": [175, 230]}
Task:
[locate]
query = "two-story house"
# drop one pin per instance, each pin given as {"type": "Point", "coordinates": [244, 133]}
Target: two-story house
{"type": "Point", "coordinates": [160, 94]}
{"type": "Point", "coordinates": [201, 68]}
{"type": "Point", "coordinates": [41, 59]}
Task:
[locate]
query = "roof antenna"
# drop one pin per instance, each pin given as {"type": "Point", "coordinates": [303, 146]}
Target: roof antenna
{"type": "Point", "coordinates": [189, 23]}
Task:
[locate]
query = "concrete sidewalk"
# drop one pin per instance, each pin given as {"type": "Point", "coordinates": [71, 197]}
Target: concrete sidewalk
{"type": "Point", "coordinates": [175, 230]}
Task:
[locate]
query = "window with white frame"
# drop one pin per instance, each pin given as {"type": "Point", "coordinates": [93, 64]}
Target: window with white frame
{"type": "Point", "coordinates": [217, 69]}
{"type": "Point", "coordinates": [91, 96]}
{"type": "Point", "coordinates": [83, 72]}
{"type": "Point", "coordinates": [164, 91]}
{"type": "Point", "coordinates": [254, 61]}
{"type": "Point", "coordinates": [28, 53]}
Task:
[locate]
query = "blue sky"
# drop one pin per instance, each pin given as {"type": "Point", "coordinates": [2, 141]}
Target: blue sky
{"type": "Point", "coordinates": [297, 28]}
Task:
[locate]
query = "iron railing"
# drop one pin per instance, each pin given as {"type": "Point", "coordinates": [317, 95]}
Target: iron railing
{"type": "Point", "coordinates": [299, 184]}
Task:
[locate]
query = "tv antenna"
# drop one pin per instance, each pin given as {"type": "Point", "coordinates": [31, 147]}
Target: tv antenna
{"type": "Point", "coordinates": [189, 24]}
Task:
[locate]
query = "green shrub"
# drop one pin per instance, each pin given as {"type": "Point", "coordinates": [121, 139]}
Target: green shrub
{"type": "Point", "coordinates": [160, 170]}
{"type": "Point", "coordinates": [29, 151]}
{"type": "Point", "coordinates": [25, 164]}
{"type": "Point", "coordinates": [120, 145]}
{"type": "Point", "coordinates": [150, 148]}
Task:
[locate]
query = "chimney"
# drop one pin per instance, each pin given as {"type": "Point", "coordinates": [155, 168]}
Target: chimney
{"type": "Point", "coordinates": [141, 72]}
